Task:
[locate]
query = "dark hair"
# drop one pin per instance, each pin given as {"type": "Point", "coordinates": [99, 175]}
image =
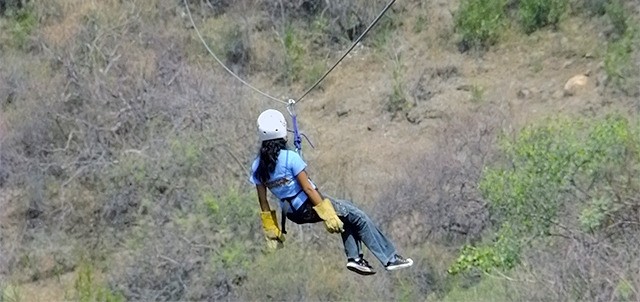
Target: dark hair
{"type": "Point", "coordinates": [268, 157]}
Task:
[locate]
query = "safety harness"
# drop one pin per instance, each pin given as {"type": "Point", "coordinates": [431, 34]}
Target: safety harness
{"type": "Point", "coordinates": [287, 202]}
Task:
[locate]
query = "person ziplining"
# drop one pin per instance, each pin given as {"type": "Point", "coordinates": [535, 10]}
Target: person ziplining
{"type": "Point", "coordinates": [283, 172]}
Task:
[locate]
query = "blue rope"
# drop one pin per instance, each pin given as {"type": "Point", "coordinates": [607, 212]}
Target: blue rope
{"type": "Point", "coordinates": [297, 140]}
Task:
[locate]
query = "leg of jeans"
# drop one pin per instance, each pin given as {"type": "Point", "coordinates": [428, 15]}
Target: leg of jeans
{"type": "Point", "coordinates": [365, 230]}
{"type": "Point", "coordinates": [352, 247]}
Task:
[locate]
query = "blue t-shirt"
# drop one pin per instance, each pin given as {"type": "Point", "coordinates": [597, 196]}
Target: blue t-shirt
{"type": "Point", "coordinates": [283, 183]}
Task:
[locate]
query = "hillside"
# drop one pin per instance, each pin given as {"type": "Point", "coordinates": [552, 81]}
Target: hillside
{"type": "Point", "coordinates": [125, 148]}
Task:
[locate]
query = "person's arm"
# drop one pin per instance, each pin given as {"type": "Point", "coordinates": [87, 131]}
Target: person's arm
{"type": "Point", "coordinates": [262, 198]}
{"type": "Point", "coordinates": [307, 187]}
{"type": "Point", "coordinates": [323, 207]}
{"type": "Point", "coordinates": [268, 217]}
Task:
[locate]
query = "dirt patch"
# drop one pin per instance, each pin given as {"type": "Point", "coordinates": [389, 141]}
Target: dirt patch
{"type": "Point", "coordinates": [51, 289]}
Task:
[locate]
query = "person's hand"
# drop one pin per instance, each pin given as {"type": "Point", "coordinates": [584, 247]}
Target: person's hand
{"type": "Point", "coordinates": [271, 229]}
{"type": "Point", "coordinates": [332, 222]}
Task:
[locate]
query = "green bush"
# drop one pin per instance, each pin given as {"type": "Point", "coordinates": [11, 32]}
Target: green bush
{"type": "Point", "coordinates": [535, 14]}
{"type": "Point", "coordinates": [595, 7]}
{"type": "Point", "coordinates": [551, 170]}
{"type": "Point", "coordinates": [294, 49]}
{"type": "Point", "coordinates": [210, 246]}
{"type": "Point", "coordinates": [487, 289]}
{"type": "Point", "coordinates": [593, 216]}
{"type": "Point", "coordinates": [237, 50]}
{"type": "Point", "coordinates": [502, 254]}
{"type": "Point", "coordinates": [383, 32]}
{"type": "Point", "coordinates": [618, 62]}
{"type": "Point", "coordinates": [21, 23]}
{"type": "Point", "coordinates": [10, 293]}
{"type": "Point", "coordinates": [313, 72]}
{"type": "Point", "coordinates": [88, 289]}
{"type": "Point", "coordinates": [480, 22]}
{"type": "Point", "coordinates": [398, 97]}
{"type": "Point", "coordinates": [619, 17]}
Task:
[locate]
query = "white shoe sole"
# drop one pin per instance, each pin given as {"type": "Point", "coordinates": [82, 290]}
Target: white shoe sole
{"type": "Point", "coordinates": [396, 267]}
{"type": "Point", "coordinates": [358, 269]}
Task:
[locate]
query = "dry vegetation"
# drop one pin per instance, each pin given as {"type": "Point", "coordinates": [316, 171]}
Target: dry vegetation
{"type": "Point", "coordinates": [124, 148]}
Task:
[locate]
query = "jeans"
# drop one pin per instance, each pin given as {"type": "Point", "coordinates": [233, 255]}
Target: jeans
{"type": "Point", "coordinates": [358, 229]}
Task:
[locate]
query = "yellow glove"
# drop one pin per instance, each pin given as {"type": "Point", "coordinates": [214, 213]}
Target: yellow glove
{"type": "Point", "coordinates": [270, 227]}
{"type": "Point", "coordinates": [274, 244]}
{"type": "Point", "coordinates": [331, 220]}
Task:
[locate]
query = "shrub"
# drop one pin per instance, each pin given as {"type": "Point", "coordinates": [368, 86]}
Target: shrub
{"type": "Point", "coordinates": [562, 180]}
{"type": "Point", "coordinates": [535, 14]}
{"type": "Point", "coordinates": [236, 50]}
{"type": "Point", "coordinates": [619, 63]}
{"type": "Point", "coordinates": [382, 33]}
{"type": "Point", "coordinates": [351, 18]}
{"type": "Point", "coordinates": [214, 7]}
{"type": "Point", "coordinates": [477, 93]}
{"type": "Point", "coordinates": [480, 22]}
{"type": "Point", "coordinates": [21, 22]}
{"type": "Point", "coordinates": [398, 97]}
{"type": "Point", "coordinates": [106, 137]}
{"type": "Point", "coordinates": [11, 5]}
{"type": "Point", "coordinates": [10, 293]}
{"type": "Point", "coordinates": [198, 253]}
{"type": "Point", "coordinates": [486, 289]}
{"type": "Point", "coordinates": [294, 51]}
{"type": "Point", "coordinates": [595, 7]}
{"type": "Point", "coordinates": [88, 289]}
{"type": "Point", "coordinates": [439, 201]}
{"type": "Point", "coordinates": [618, 16]}
{"type": "Point", "coordinates": [312, 73]}
{"type": "Point", "coordinates": [437, 206]}
{"type": "Point", "coordinates": [331, 22]}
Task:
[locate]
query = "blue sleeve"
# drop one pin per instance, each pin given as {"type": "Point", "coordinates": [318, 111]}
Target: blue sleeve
{"type": "Point", "coordinates": [252, 177]}
{"type": "Point", "coordinates": [296, 164]}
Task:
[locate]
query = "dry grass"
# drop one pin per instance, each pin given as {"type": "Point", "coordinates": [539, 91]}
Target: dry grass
{"type": "Point", "coordinates": [66, 20]}
{"type": "Point", "coordinates": [117, 128]}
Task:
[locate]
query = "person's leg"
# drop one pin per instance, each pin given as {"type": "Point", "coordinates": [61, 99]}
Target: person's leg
{"type": "Point", "coordinates": [363, 228]}
{"type": "Point", "coordinates": [353, 250]}
{"type": "Point", "coordinates": [350, 239]}
{"type": "Point", "coordinates": [351, 246]}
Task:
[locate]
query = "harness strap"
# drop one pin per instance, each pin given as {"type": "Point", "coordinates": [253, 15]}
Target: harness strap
{"type": "Point", "coordinates": [285, 209]}
{"type": "Point", "coordinates": [283, 219]}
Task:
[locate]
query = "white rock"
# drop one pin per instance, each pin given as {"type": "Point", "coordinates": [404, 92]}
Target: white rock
{"type": "Point", "coordinates": [576, 84]}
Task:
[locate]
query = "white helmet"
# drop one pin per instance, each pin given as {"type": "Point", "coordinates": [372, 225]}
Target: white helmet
{"type": "Point", "coordinates": [271, 125]}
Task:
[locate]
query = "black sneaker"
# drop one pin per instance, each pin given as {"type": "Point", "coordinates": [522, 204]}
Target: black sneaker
{"type": "Point", "coordinates": [398, 262]}
{"type": "Point", "coordinates": [360, 266]}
